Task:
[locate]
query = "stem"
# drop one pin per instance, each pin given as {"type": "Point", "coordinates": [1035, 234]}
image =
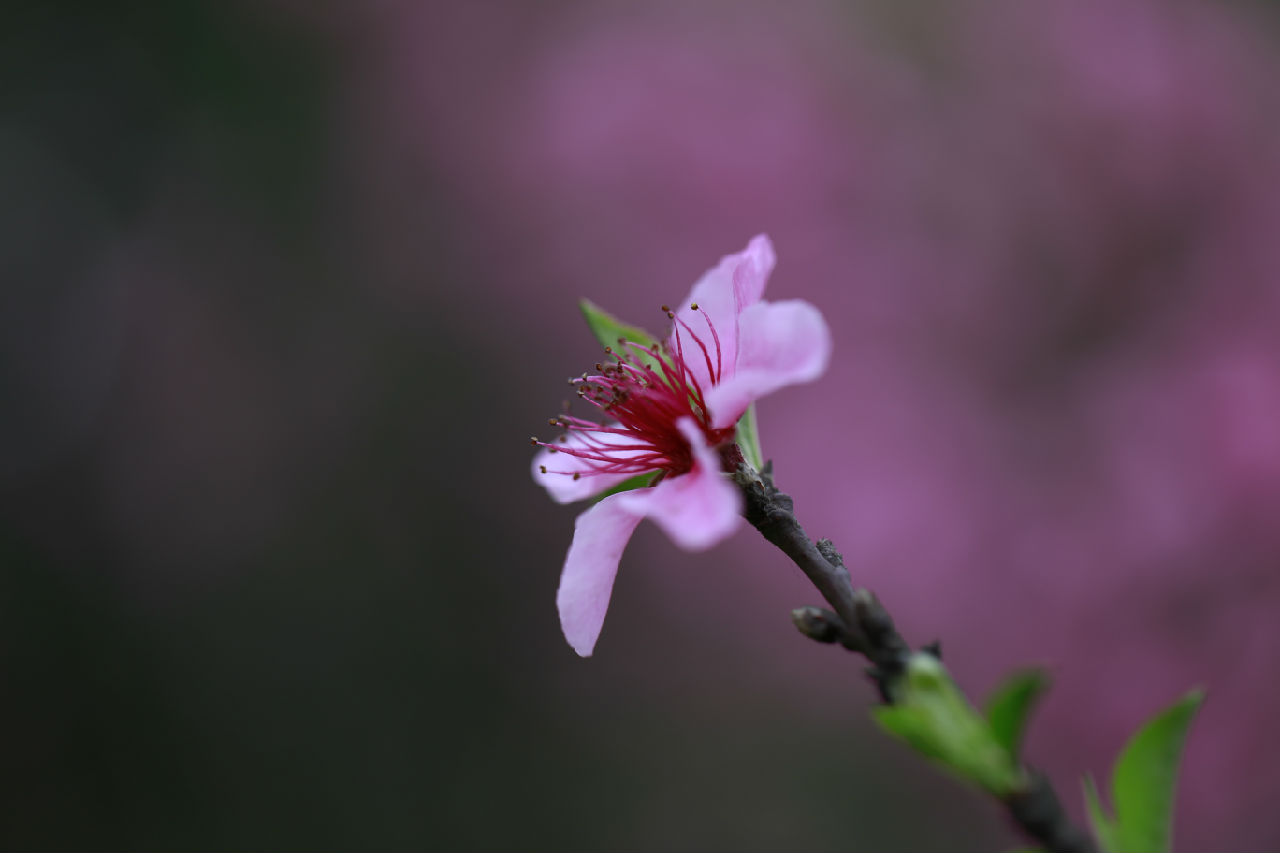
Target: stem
{"type": "Point", "coordinates": [859, 622]}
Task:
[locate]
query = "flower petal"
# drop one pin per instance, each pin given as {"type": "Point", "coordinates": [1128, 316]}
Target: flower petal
{"type": "Point", "coordinates": [697, 509]}
{"type": "Point", "coordinates": [722, 293]}
{"type": "Point", "coordinates": [599, 537]}
{"type": "Point", "coordinates": [561, 466]}
{"type": "Point", "coordinates": [755, 264]}
{"type": "Point", "coordinates": [780, 343]}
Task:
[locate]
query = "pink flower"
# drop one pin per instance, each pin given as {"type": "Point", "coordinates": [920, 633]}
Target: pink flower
{"type": "Point", "coordinates": [672, 409]}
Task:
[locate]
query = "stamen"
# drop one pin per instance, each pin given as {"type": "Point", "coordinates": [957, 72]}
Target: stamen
{"type": "Point", "coordinates": [706, 356]}
{"type": "Point", "coordinates": [645, 391]}
{"type": "Point", "coordinates": [715, 337]}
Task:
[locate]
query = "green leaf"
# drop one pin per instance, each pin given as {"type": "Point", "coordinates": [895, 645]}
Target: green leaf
{"type": "Point", "coordinates": [636, 482]}
{"type": "Point", "coordinates": [748, 438]}
{"type": "Point", "coordinates": [1143, 783]}
{"type": "Point", "coordinates": [1010, 705]}
{"type": "Point", "coordinates": [1146, 776]}
{"type": "Point", "coordinates": [933, 716]}
{"type": "Point", "coordinates": [1104, 828]}
{"type": "Point", "coordinates": [608, 329]}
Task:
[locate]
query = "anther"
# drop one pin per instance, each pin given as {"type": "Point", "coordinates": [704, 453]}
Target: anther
{"type": "Point", "coordinates": [533, 439]}
{"type": "Point", "coordinates": [608, 350]}
{"type": "Point", "coordinates": [542, 468]}
{"type": "Point", "coordinates": [666, 310]}
{"type": "Point", "coordinates": [553, 421]}
{"type": "Point", "coordinates": [577, 475]}
{"type": "Point", "coordinates": [671, 315]}
{"type": "Point", "coordinates": [693, 306]}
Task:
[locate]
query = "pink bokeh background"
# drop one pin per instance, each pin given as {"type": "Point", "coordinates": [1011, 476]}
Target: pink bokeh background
{"type": "Point", "coordinates": [1044, 237]}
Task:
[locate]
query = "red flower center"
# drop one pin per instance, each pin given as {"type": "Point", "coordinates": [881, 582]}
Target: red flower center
{"type": "Point", "coordinates": [644, 391]}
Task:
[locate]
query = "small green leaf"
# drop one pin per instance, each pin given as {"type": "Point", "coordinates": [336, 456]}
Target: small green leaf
{"type": "Point", "coordinates": [933, 716]}
{"type": "Point", "coordinates": [748, 438]}
{"type": "Point", "coordinates": [636, 482]}
{"type": "Point", "coordinates": [1104, 828]}
{"type": "Point", "coordinates": [1143, 783]}
{"type": "Point", "coordinates": [1010, 705]}
{"type": "Point", "coordinates": [608, 329]}
{"type": "Point", "coordinates": [1146, 775]}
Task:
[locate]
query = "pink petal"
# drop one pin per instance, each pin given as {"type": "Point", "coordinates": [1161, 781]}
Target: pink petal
{"type": "Point", "coordinates": [780, 343]}
{"type": "Point", "coordinates": [697, 509]}
{"type": "Point", "coordinates": [721, 295]}
{"type": "Point", "coordinates": [561, 466]}
{"type": "Point", "coordinates": [599, 537]}
{"type": "Point", "coordinates": [755, 264]}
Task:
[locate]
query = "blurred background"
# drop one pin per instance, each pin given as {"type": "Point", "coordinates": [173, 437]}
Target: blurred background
{"type": "Point", "coordinates": [288, 285]}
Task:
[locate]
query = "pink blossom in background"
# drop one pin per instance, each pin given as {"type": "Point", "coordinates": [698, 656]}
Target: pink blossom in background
{"type": "Point", "coordinates": [673, 410]}
{"type": "Point", "coordinates": [291, 281]}
{"type": "Point", "coordinates": [1044, 238]}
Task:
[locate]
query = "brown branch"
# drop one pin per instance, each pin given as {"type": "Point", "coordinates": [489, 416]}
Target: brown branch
{"type": "Point", "coordinates": [859, 622]}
